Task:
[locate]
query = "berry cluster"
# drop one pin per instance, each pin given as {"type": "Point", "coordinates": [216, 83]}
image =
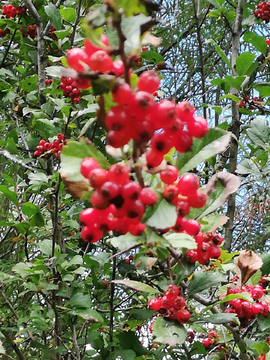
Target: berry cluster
{"type": "Point", "coordinates": [52, 33]}
{"type": "Point", "coordinates": [176, 124]}
{"type": "Point", "coordinates": [12, 11]}
{"type": "Point", "coordinates": [243, 308]}
{"type": "Point", "coordinates": [71, 87]}
{"type": "Point", "coordinates": [4, 32]}
{"type": "Point", "coordinates": [31, 31]}
{"type": "Point", "coordinates": [53, 148]}
{"type": "Point", "coordinates": [207, 248]}
{"type": "Point", "coordinates": [49, 81]}
{"type": "Point", "coordinates": [118, 202]}
{"type": "Point", "coordinates": [211, 339]}
{"type": "Point", "coordinates": [262, 357]}
{"type": "Point", "coordinates": [263, 11]}
{"type": "Point", "coordinates": [171, 305]}
{"type": "Point", "coordinates": [191, 336]}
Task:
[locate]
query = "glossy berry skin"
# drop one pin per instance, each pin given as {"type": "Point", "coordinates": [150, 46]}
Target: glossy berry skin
{"type": "Point", "coordinates": [155, 304]}
{"type": "Point", "coordinates": [192, 227]}
{"type": "Point", "coordinates": [148, 197]}
{"type": "Point", "coordinates": [148, 81]}
{"type": "Point", "coordinates": [136, 229]}
{"type": "Point", "coordinates": [169, 175]}
{"type": "Point", "coordinates": [122, 93]}
{"type": "Point", "coordinates": [206, 342]}
{"type": "Point", "coordinates": [172, 291]}
{"type": "Point", "coordinates": [183, 315]}
{"type": "Point", "coordinates": [198, 199]}
{"type": "Point", "coordinates": [192, 255]}
{"type": "Point", "coordinates": [179, 302]}
{"type": "Point", "coordinates": [188, 184]}
{"type": "Point", "coordinates": [119, 174]}
{"type": "Point", "coordinates": [91, 235]}
{"type": "Point", "coordinates": [87, 165]}
{"type": "Point", "coordinates": [131, 190]}
{"type": "Point", "coordinates": [97, 177]}
{"type": "Point", "coordinates": [100, 61]}
{"type": "Point", "coordinates": [257, 292]}
{"type": "Point", "coordinates": [77, 59]}
{"type": "Point", "coordinates": [198, 128]}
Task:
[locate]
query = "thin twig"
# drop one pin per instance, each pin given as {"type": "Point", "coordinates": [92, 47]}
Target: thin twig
{"type": "Point", "coordinates": [124, 251]}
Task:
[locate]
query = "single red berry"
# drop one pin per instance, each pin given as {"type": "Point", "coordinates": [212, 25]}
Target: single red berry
{"type": "Point", "coordinates": [144, 48]}
{"type": "Point", "coordinates": [170, 192]}
{"type": "Point", "coordinates": [87, 165]}
{"type": "Point", "coordinates": [100, 61]}
{"type": "Point", "coordinates": [153, 159]}
{"type": "Point", "coordinates": [172, 291]}
{"type": "Point", "coordinates": [122, 93]}
{"type": "Point", "coordinates": [131, 190]}
{"type": "Point", "coordinates": [183, 316]}
{"type": "Point", "coordinates": [192, 227]}
{"type": "Point", "coordinates": [198, 128]}
{"type": "Point", "coordinates": [109, 190]}
{"type": "Point", "coordinates": [155, 304]}
{"type": "Point", "coordinates": [127, 261]}
{"type": "Point", "coordinates": [99, 202]}
{"type": "Point", "coordinates": [182, 141]}
{"type": "Point", "coordinates": [119, 174]}
{"type": "Point", "coordinates": [179, 302]}
{"type": "Point", "coordinates": [169, 175]}
{"type": "Point", "coordinates": [160, 143]}
{"type": "Point", "coordinates": [148, 197]}
{"type": "Point", "coordinates": [206, 342]}
{"type": "Point", "coordinates": [136, 229]}
{"type": "Point", "coordinates": [257, 292]}
{"type": "Point", "coordinates": [148, 81]}
{"type": "Point", "coordinates": [77, 59]}
{"type": "Point", "coordinates": [214, 252]}
{"type": "Point", "coordinates": [166, 302]}
{"type": "Point", "coordinates": [197, 199]}
{"type": "Point", "coordinates": [188, 184]}
{"type": "Point", "coordinates": [192, 255]}
{"type": "Point", "coordinates": [91, 235]}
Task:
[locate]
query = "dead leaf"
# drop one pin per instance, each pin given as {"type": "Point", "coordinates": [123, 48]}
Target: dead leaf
{"type": "Point", "coordinates": [75, 189]}
{"type": "Point", "coordinates": [151, 39]}
{"type": "Point", "coordinates": [150, 262]}
{"type": "Point", "coordinates": [17, 238]}
{"type": "Point", "coordinates": [248, 263]}
{"type": "Point", "coordinates": [230, 182]}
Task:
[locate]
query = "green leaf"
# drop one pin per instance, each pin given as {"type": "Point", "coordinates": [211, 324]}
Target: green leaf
{"type": "Point", "coordinates": [88, 314]}
{"type": "Point", "coordinates": [243, 62]}
{"type": "Point", "coordinates": [129, 341]}
{"type": "Point", "coordinates": [11, 195]}
{"type": "Point", "coordinates": [123, 242]}
{"type": "Point", "coordinates": [54, 15]}
{"type": "Point", "coordinates": [136, 285]}
{"type": "Point", "coordinates": [261, 347]}
{"type": "Point", "coordinates": [230, 96]}
{"type": "Point", "coordinates": [257, 41]}
{"type": "Point", "coordinates": [11, 146]}
{"type": "Point", "coordinates": [265, 269]}
{"type": "Point", "coordinates": [202, 280]}
{"type": "Point", "coordinates": [167, 332]}
{"type": "Point", "coordinates": [259, 133]}
{"type": "Point", "coordinates": [22, 269]}
{"type": "Point", "coordinates": [219, 50]}
{"type": "Point", "coordinates": [68, 14]}
{"type": "Point", "coordinates": [79, 300]}
{"type": "Point", "coordinates": [234, 83]}
{"type": "Point", "coordinates": [181, 240]}
{"type": "Point", "coordinates": [247, 166]}
{"type": "Point", "coordinates": [29, 209]}
{"type": "Point", "coordinates": [213, 143]}
{"type": "Point", "coordinates": [141, 314]}
{"type": "Point", "coordinates": [263, 322]}
{"type": "Point", "coordinates": [2, 349]}
{"type": "Point", "coordinates": [263, 88]}
{"type": "Point", "coordinates": [165, 216]}
{"type": "Point", "coordinates": [122, 354]}
{"type": "Point", "coordinates": [45, 127]}
{"type": "Point", "coordinates": [72, 155]}
{"type": "Point", "coordinates": [152, 56]}
{"type": "Point", "coordinates": [221, 318]}
{"type": "Point", "coordinates": [46, 247]}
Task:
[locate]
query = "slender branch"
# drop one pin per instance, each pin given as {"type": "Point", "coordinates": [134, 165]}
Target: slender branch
{"type": "Point", "coordinates": [13, 345]}
{"type": "Point", "coordinates": [186, 351]}
{"type": "Point", "coordinates": [9, 45]}
{"type": "Point", "coordinates": [235, 126]}
{"type": "Point", "coordinates": [111, 300]}
{"type": "Point", "coordinates": [124, 251]}
{"type": "Point", "coordinates": [77, 20]}
{"type": "Point", "coordinates": [74, 340]}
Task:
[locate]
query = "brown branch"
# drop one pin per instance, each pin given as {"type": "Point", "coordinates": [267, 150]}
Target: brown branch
{"type": "Point", "coordinates": [111, 300]}
{"type": "Point", "coordinates": [13, 345]}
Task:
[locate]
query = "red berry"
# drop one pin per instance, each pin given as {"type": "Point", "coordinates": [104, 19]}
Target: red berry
{"type": "Point", "coordinates": [100, 61]}
{"type": "Point", "coordinates": [188, 184]}
{"type": "Point", "coordinates": [214, 252]}
{"type": "Point", "coordinates": [153, 159]}
{"type": "Point", "coordinates": [155, 304]}
{"type": "Point", "coordinates": [97, 177]}
{"type": "Point", "coordinates": [91, 235]}
{"type": "Point", "coordinates": [257, 292]}
{"type": "Point", "coordinates": [192, 227]}
{"type": "Point", "coordinates": [197, 199]}
{"type": "Point", "coordinates": [131, 190]}
{"type": "Point", "coordinates": [119, 174]}
{"type": "Point", "coordinates": [169, 175]}
{"type": "Point", "coordinates": [148, 197]}
{"type": "Point", "coordinates": [77, 59]}
{"type": "Point", "coordinates": [206, 342]}
{"type": "Point", "coordinates": [136, 229]}
{"type": "Point", "coordinates": [183, 315]}
{"type": "Point", "coordinates": [160, 143]}
{"type": "Point", "coordinates": [192, 255]}
{"type": "Point", "coordinates": [170, 192]}
{"type": "Point", "coordinates": [122, 93]}
{"type": "Point", "coordinates": [179, 302]}
{"type": "Point", "coordinates": [148, 81]}
{"type": "Point", "coordinates": [198, 128]}
{"type": "Point", "coordinates": [172, 291]}
{"type": "Point", "coordinates": [109, 190]}
{"type": "Point", "coordinates": [183, 142]}
{"type": "Point", "coordinates": [87, 165]}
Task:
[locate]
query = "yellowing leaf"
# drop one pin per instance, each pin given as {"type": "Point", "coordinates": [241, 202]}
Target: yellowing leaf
{"type": "Point", "coordinates": [16, 238]}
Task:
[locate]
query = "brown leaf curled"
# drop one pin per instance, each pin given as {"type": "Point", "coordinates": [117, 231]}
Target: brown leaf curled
{"type": "Point", "coordinates": [248, 263]}
{"type": "Point", "coordinates": [230, 182]}
{"type": "Point", "coordinates": [75, 189]}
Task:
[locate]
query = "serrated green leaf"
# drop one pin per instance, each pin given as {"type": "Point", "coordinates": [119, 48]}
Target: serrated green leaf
{"type": "Point", "coordinates": [202, 280]}
{"type": "Point", "coordinates": [181, 240]}
{"type": "Point", "coordinates": [222, 318]}
{"type": "Point", "coordinates": [219, 50]}
{"type": "Point", "coordinates": [257, 41]}
{"type": "Point", "coordinates": [136, 285]}
{"type": "Point", "coordinates": [165, 216]}
{"type": "Point", "coordinates": [68, 14]}
{"type": "Point", "coordinates": [11, 195]}
{"type": "Point", "coordinates": [123, 242]}
{"type": "Point", "coordinates": [243, 63]}
{"type": "Point", "coordinates": [214, 142]}
{"type": "Point", "coordinates": [29, 209]}
{"type": "Point", "coordinates": [263, 322]}
{"type": "Point", "coordinates": [170, 333]}
{"type": "Point", "coordinates": [54, 15]}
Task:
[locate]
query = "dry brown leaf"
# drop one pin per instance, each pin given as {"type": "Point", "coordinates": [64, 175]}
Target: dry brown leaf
{"type": "Point", "coordinates": [150, 262]}
{"type": "Point", "coordinates": [230, 182]}
{"type": "Point", "coordinates": [75, 189]}
{"type": "Point", "coordinates": [248, 263]}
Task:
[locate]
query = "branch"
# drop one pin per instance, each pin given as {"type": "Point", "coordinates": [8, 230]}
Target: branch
{"type": "Point", "coordinates": [235, 126]}
{"type": "Point", "coordinates": [13, 345]}
{"type": "Point", "coordinates": [111, 300]}
{"type": "Point", "coordinates": [74, 340]}
{"type": "Point", "coordinates": [40, 49]}
{"type": "Point", "coordinates": [78, 16]}
{"type": "Point", "coordinates": [124, 251]}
